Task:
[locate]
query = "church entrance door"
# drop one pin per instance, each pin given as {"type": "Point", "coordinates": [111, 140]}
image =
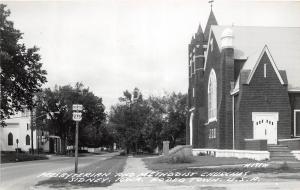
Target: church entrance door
{"type": "Point", "coordinates": [265, 126]}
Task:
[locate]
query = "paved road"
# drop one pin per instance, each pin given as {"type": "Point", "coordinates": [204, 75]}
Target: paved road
{"type": "Point", "coordinates": [23, 175]}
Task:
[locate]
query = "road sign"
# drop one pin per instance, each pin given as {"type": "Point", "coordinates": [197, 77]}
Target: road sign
{"type": "Point", "coordinates": [77, 116]}
{"type": "Point", "coordinates": [77, 107]}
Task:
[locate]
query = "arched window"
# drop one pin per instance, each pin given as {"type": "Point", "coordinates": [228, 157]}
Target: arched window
{"type": "Point", "coordinates": [27, 140]}
{"type": "Point", "coordinates": [10, 139]}
{"type": "Point", "coordinates": [212, 96]}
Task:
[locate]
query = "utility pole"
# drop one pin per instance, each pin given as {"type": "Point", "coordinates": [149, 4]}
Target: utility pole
{"type": "Point", "coordinates": [77, 116]}
{"type": "Point", "coordinates": [76, 147]}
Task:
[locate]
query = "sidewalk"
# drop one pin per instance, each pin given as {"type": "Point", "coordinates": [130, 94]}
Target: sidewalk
{"type": "Point", "coordinates": [135, 166]}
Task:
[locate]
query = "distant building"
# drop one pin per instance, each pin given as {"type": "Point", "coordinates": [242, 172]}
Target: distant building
{"type": "Point", "coordinates": [18, 127]}
{"type": "Point", "coordinates": [244, 87]}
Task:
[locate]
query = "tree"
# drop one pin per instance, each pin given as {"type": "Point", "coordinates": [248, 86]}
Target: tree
{"type": "Point", "coordinates": [167, 120]}
{"type": "Point", "coordinates": [21, 70]}
{"type": "Point", "coordinates": [144, 124]}
{"type": "Point", "coordinates": [61, 124]}
{"type": "Point", "coordinates": [176, 118]}
{"type": "Point", "coordinates": [155, 122]}
{"type": "Point", "coordinates": [129, 117]}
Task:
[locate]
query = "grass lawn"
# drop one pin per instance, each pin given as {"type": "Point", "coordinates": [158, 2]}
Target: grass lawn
{"type": "Point", "coordinates": [200, 165]}
{"type": "Point", "coordinates": [158, 163]}
{"type": "Point", "coordinates": [9, 157]}
{"type": "Point", "coordinates": [110, 167]}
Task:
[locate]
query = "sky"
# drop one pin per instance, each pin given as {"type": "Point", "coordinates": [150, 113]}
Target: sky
{"type": "Point", "coordinates": [114, 45]}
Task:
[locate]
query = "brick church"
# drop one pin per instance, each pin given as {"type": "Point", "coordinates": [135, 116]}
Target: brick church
{"type": "Point", "coordinates": [244, 87]}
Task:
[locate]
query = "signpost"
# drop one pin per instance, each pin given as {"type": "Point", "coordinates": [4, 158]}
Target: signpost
{"type": "Point", "coordinates": [77, 116]}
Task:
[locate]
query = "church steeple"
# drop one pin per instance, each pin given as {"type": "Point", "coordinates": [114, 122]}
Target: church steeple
{"type": "Point", "coordinates": [211, 21]}
{"type": "Point", "coordinates": [199, 35]}
{"type": "Point", "coordinates": [199, 31]}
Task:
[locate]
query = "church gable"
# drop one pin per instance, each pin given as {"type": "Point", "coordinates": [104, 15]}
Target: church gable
{"type": "Point", "coordinates": [266, 65]}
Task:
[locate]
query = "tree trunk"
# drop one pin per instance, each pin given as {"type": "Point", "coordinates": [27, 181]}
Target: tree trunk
{"type": "Point", "coordinates": [127, 150]}
{"type": "Point", "coordinates": [63, 145]}
{"type": "Point", "coordinates": [136, 147]}
{"type": "Point", "coordinates": [38, 141]}
{"type": "Point", "coordinates": [172, 141]}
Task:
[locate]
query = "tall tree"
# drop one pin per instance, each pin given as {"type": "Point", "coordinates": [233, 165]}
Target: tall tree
{"type": "Point", "coordinates": [155, 123]}
{"type": "Point", "coordinates": [144, 124]}
{"type": "Point", "coordinates": [129, 117]}
{"type": "Point", "coordinates": [21, 70]}
{"type": "Point", "coordinates": [176, 118]}
{"type": "Point", "coordinates": [60, 100]}
{"type": "Point", "coordinates": [167, 120]}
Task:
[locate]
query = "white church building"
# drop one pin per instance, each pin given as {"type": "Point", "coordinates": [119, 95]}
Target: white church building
{"type": "Point", "coordinates": [18, 129]}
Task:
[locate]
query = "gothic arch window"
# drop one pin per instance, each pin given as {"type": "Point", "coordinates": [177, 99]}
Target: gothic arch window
{"type": "Point", "coordinates": [212, 96]}
{"type": "Point", "coordinates": [10, 139]}
{"type": "Point", "coordinates": [27, 140]}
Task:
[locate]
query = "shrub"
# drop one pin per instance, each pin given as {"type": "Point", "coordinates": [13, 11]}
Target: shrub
{"type": "Point", "coordinates": [181, 159]}
{"type": "Point", "coordinates": [82, 151]}
{"type": "Point", "coordinates": [123, 153]}
{"type": "Point", "coordinates": [29, 157]}
{"type": "Point", "coordinates": [19, 150]}
{"type": "Point", "coordinates": [284, 167]}
{"type": "Point", "coordinates": [13, 156]}
{"type": "Point", "coordinates": [175, 159]}
{"type": "Point", "coordinates": [201, 154]}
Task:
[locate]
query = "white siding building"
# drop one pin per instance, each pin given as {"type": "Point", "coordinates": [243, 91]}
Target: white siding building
{"type": "Point", "coordinates": [18, 127]}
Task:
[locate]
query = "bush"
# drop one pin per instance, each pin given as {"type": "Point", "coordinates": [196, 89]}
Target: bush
{"type": "Point", "coordinates": [123, 153]}
{"type": "Point", "coordinates": [175, 159]}
{"type": "Point", "coordinates": [201, 154]}
{"type": "Point", "coordinates": [40, 150]}
{"type": "Point", "coordinates": [82, 151]}
{"type": "Point", "coordinates": [31, 151]}
{"type": "Point", "coordinates": [284, 167]}
{"type": "Point", "coordinates": [19, 150]}
{"type": "Point", "coordinates": [13, 157]}
{"type": "Point", "coordinates": [181, 159]}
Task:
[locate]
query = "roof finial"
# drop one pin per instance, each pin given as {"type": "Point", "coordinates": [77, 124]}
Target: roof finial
{"type": "Point", "coordinates": [211, 3]}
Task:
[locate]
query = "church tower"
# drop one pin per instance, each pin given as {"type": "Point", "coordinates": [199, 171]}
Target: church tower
{"type": "Point", "coordinates": [195, 131]}
{"type": "Point", "coordinates": [227, 78]}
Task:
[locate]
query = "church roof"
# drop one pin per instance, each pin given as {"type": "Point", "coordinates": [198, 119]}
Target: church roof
{"type": "Point", "coordinates": [211, 21]}
{"type": "Point", "coordinates": [283, 43]}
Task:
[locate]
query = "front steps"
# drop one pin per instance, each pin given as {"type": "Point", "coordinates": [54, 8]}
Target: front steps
{"type": "Point", "coordinates": [281, 153]}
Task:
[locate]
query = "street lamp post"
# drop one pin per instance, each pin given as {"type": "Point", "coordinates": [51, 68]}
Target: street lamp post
{"type": "Point", "coordinates": [77, 116]}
